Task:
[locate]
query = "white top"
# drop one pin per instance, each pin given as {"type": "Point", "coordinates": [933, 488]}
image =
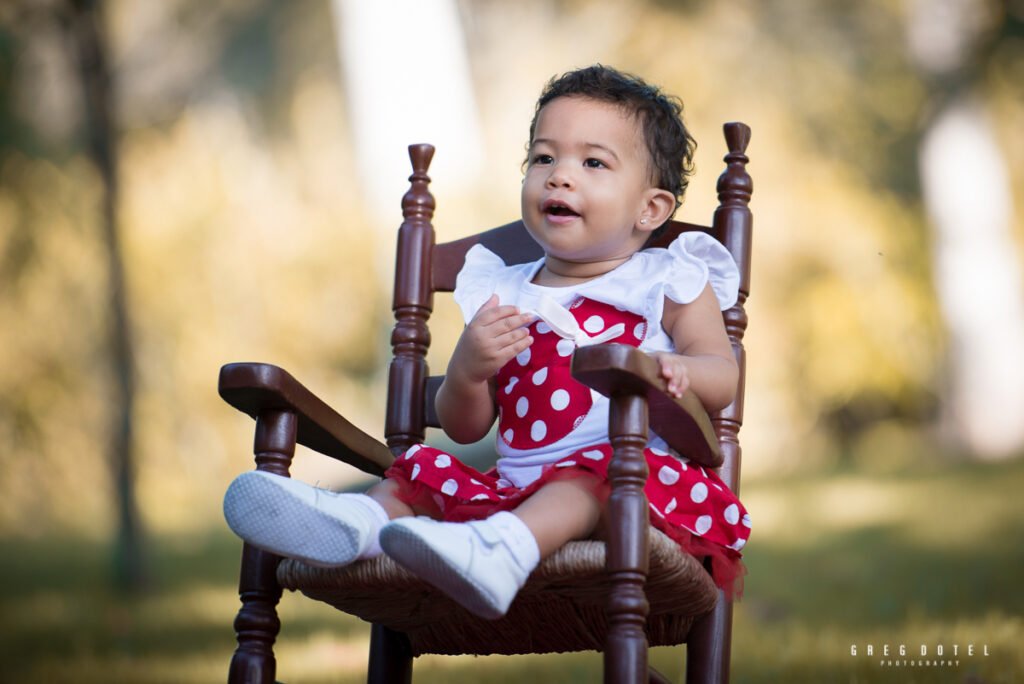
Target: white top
{"type": "Point", "coordinates": [639, 286]}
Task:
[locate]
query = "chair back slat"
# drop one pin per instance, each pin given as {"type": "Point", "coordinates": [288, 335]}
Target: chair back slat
{"type": "Point", "coordinates": [511, 242]}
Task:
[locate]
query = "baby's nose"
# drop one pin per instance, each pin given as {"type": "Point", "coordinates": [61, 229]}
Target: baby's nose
{"type": "Point", "coordinates": [560, 179]}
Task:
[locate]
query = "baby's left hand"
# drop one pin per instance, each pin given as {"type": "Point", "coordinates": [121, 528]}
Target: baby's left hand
{"type": "Point", "coordinates": [673, 369]}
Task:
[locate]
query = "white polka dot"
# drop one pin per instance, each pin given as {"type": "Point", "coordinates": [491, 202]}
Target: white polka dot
{"type": "Point", "coordinates": [522, 406]}
{"type": "Point", "coordinates": [658, 452]}
{"type": "Point", "coordinates": [559, 399]}
{"type": "Point", "coordinates": [716, 486]}
{"type": "Point", "coordinates": [443, 461]}
{"type": "Point", "coordinates": [475, 481]}
{"type": "Point", "coordinates": [565, 347]}
{"type": "Point", "coordinates": [699, 492]}
{"type": "Point", "coordinates": [543, 328]}
{"type": "Point", "coordinates": [508, 435]}
{"type": "Point", "coordinates": [739, 544]}
{"type": "Point", "coordinates": [668, 475]}
{"type": "Point", "coordinates": [538, 430]}
{"type": "Point", "coordinates": [655, 509]}
{"type": "Point", "coordinates": [671, 506]}
{"type": "Point", "coordinates": [639, 330]}
{"type": "Point", "coordinates": [732, 514]}
{"type": "Point", "coordinates": [594, 455]}
{"type": "Point", "coordinates": [412, 450]}
{"type": "Point", "coordinates": [594, 324]}
{"type": "Point", "coordinates": [565, 464]}
{"type": "Point", "coordinates": [703, 524]}
{"type": "Point", "coordinates": [415, 471]}
{"type": "Point", "coordinates": [746, 520]}
{"type": "Point", "coordinates": [480, 497]}
{"type": "Point", "coordinates": [523, 357]}
{"type": "Point", "coordinates": [449, 487]}
{"type": "Point", "coordinates": [510, 385]}
{"type": "Point", "coordinates": [540, 376]}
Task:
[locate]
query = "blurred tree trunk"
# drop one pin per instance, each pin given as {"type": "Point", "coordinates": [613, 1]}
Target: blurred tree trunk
{"type": "Point", "coordinates": [408, 81]}
{"type": "Point", "coordinates": [88, 35]}
{"type": "Point", "coordinates": [966, 190]}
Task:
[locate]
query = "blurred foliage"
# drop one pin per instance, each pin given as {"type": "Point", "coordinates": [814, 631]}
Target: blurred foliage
{"type": "Point", "coordinates": [246, 237]}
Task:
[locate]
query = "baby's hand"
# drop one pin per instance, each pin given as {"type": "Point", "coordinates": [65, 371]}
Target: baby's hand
{"type": "Point", "coordinates": [673, 369]}
{"type": "Point", "coordinates": [493, 337]}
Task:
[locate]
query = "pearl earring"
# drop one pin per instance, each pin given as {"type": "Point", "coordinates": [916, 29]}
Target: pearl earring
{"type": "Point", "coordinates": [643, 221]}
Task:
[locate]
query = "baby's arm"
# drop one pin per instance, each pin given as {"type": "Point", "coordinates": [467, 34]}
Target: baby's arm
{"type": "Point", "coordinates": [465, 400]}
{"type": "Point", "coordinates": [704, 361]}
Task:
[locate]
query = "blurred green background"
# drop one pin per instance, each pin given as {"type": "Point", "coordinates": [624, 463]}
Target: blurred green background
{"type": "Point", "coordinates": [185, 184]}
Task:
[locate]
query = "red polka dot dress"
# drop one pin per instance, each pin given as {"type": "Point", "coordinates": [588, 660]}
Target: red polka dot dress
{"type": "Point", "coordinates": [552, 427]}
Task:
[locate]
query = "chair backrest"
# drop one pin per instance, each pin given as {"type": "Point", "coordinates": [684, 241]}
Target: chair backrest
{"type": "Point", "coordinates": [423, 267]}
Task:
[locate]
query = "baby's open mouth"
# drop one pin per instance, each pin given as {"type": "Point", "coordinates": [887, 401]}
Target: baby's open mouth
{"type": "Point", "coordinates": [559, 210]}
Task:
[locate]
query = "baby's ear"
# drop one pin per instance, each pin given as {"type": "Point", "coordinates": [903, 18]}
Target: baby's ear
{"type": "Point", "coordinates": [659, 205]}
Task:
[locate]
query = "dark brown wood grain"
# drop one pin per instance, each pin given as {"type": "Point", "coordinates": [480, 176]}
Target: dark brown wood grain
{"type": "Point", "coordinates": [681, 422]}
{"type": "Point", "coordinates": [710, 644]}
{"type": "Point", "coordinates": [256, 387]}
{"type": "Point", "coordinates": [413, 303]}
{"type": "Point", "coordinates": [257, 624]}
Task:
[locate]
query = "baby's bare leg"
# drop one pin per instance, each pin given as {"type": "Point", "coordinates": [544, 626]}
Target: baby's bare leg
{"type": "Point", "coordinates": [385, 493]}
{"type": "Point", "coordinates": [559, 512]}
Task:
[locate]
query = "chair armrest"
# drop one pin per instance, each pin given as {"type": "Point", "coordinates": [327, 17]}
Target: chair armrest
{"type": "Point", "coordinates": [256, 387]}
{"type": "Point", "coordinates": [681, 422]}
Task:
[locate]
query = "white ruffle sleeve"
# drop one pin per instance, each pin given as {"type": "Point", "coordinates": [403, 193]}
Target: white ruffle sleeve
{"type": "Point", "coordinates": [692, 261]}
{"type": "Point", "coordinates": [715, 265]}
{"type": "Point", "coordinates": [476, 281]}
{"type": "Point", "coordinates": [484, 274]}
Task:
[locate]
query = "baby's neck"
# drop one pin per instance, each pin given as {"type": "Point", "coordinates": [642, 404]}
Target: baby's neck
{"type": "Point", "coordinates": [558, 273]}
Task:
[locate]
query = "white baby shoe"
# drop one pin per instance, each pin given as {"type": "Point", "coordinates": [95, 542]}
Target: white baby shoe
{"type": "Point", "coordinates": [473, 562]}
{"type": "Point", "coordinates": [291, 518]}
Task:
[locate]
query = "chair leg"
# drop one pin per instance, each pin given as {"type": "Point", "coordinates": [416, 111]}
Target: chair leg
{"type": "Point", "coordinates": [709, 646]}
{"type": "Point", "coordinates": [256, 625]}
{"type": "Point", "coordinates": [390, 657]}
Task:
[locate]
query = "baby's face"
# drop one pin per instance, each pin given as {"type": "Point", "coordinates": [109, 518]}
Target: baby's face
{"type": "Point", "coordinates": [587, 184]}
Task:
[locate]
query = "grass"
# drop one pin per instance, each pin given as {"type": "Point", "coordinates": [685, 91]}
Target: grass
{"type": "Point", "coordinates": [915, 558]}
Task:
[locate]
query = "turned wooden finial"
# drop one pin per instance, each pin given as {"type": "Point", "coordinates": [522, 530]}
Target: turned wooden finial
{"type": "Point", "coordinates": [737, 136]}
{"type": "Point", "coordinates": [734, 185]}
{"type": "Point", "coordinates": [418, 202]}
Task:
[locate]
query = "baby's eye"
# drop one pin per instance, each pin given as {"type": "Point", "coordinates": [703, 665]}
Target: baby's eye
{"type": "Point", "coordinates": [592, 163]}
{"type": "Point", "coordinates": [542, 159]}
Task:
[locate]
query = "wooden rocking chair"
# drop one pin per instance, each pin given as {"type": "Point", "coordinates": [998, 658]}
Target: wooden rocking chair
{"type": "Point", "coordinates": [637, 590]}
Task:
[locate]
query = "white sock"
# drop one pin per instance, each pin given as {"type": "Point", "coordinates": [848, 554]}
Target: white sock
{"type": "Point", "coordinates": [518, 538]}
{"type": "Point", "coordinates": [378, 518]}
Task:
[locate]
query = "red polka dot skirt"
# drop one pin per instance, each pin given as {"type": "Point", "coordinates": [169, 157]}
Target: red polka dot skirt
{"type": "Point", "coordinates": [687, 502]}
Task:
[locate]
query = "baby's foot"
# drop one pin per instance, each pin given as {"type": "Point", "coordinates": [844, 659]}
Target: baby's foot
{"type": "Point", "coordinates": [470, 562]}
{"type": "Point", "coordinates": [291, 518]}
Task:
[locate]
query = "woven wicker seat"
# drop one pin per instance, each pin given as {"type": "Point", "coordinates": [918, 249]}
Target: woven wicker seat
{"type": "Point", "coordinates": [618, 596]}
{"type": "Point", "coordinates": [561, 608]}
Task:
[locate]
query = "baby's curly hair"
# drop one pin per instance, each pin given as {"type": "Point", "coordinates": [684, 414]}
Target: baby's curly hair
{"type": "Point", "coordinates": [670, 145]}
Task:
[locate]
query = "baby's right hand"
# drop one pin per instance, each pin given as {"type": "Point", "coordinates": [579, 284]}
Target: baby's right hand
{"type": "Point", "coordinates": [493, 337]}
